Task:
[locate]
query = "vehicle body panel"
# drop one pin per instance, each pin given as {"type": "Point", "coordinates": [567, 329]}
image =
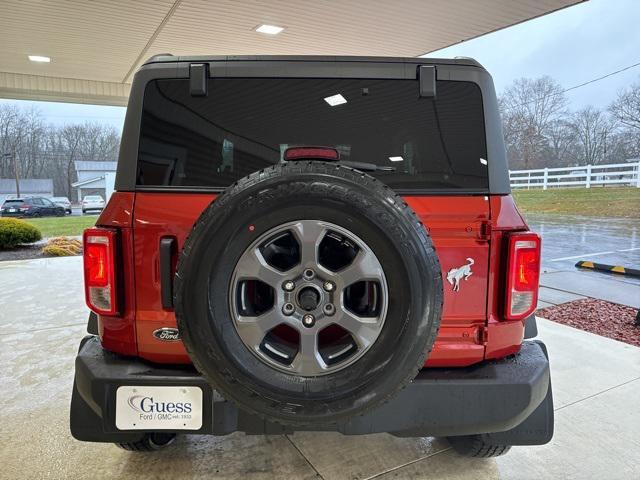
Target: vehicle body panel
{"type": "Point", "coordinates": [118, 333]}
{"type": "Point", "coordinates": [463, 225]}
{"type": "Point", "coordinates": [458, 226]}
{"type": "Point", "coordinates": [503, 337]}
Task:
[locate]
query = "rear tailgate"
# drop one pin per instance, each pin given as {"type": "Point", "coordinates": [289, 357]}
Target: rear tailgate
{"type": "Point", "coordinates": [455, 224]}
{"type": "Point", "coordinates": [432, 149]}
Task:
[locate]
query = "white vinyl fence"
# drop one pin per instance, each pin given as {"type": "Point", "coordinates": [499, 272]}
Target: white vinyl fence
{"type": "Point", "coordinates": [586, 176]}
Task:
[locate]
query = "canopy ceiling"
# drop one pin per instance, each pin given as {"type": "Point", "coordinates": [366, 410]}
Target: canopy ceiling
{"type": "Point", "coordinates": [96, 46]}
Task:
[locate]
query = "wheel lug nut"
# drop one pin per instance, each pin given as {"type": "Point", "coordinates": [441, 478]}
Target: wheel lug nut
{"type": "Point", "coordinates": [288, 308]}
{"type": "Point", "coordinates": [329, 286]}
{"type": "Point", "coordinates": [309, 274]}
{"type": "Point", "coordinates": [288, 285]}
{"type": "Point", "coordinates": [308, 320]}
{"type": "Point", "coordinates": [329, 309]}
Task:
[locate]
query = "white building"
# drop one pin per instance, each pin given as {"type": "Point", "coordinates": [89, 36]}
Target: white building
{"type": "Point", "coordinates": [29, 187]}
{"type": "Point", "coordinates": [95, 178]}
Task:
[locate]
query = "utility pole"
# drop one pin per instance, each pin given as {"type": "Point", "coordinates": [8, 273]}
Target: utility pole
{"type": "Point", "coordinates": [16, 171]}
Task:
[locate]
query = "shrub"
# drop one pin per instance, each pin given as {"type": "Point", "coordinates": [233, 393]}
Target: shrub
{"type": "Point", "coordinates": [62, 247]}
{"type": "Point", "coordinates": [13, 232]}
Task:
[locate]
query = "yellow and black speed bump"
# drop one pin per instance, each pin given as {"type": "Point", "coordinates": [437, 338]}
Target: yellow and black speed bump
{"type": "Point", "coordinates": [601, 267]}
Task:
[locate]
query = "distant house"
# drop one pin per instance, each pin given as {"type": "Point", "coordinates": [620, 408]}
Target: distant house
{"type": "Point", "coordinates": [93, 178]}
{"type": "Point", "coordinates": [41, 187]}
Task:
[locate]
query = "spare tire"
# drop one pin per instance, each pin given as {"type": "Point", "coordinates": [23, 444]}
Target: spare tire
{"type": "Point", "coordinates": [308, 293]}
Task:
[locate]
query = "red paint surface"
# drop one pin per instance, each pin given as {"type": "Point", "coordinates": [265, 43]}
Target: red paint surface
{"type": "Point", "coordinates": [158, 215]}
{"type": "Point", "coordinates": [503, 337]}
{"type": "Point", "coordinates": [455, 225]}
{"type": "Point", "coordinates": [461, 227]}
{"type": "Point", "coordinates": [118, 333]}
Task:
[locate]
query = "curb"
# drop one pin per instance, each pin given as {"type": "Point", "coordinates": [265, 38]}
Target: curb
{"type": "Point", "coordinates": [601, 267]}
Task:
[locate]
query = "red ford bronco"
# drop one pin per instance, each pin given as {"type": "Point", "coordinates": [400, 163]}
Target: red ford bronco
{"type": "Point", "coordinates": [312, 243]}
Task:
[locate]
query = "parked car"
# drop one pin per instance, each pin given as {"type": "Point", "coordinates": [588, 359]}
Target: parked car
{"type": "Point", "coordinates": [63, 202]}
{"type": "Point", "coordinates": [31, 207]}
{"type": "Point", "coordinates": [332, 244]}
{"type": "Point", "coordinates": [92, 203]}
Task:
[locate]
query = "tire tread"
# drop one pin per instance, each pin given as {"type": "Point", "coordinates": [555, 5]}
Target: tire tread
{"type": "Point", "coordinates": [477, 446]}
{"type": "Point", "coordinates": [368, 182]}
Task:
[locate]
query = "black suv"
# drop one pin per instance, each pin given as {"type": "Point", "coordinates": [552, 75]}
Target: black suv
{"type": "Point", "coordinates": [31, 207]}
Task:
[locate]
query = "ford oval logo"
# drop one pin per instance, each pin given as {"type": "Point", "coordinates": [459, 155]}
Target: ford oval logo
{"type": "Point", "coordinates": [167, 334]}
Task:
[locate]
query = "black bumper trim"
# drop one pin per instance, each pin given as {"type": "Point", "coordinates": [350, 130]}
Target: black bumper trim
{"type": "Point", "coordinates": [495, 396]}
{"type": "Point", "coordinates": [530, 327]}
{"type": "Point", "coordinates": [92, 324]}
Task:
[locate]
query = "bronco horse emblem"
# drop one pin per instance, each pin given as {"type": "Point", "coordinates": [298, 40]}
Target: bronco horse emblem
{"type": "Point", "coordinates": [456, 274]}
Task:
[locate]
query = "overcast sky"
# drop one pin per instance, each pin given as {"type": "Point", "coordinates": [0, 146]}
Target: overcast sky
{"type": "Point", "coordinates": [573, 45]}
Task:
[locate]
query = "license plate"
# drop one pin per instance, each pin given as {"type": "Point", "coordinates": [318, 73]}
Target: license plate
{"type": "Point", "coordinates": [149, 408]}
{"type": "Point", "coordinates": [11, 210]}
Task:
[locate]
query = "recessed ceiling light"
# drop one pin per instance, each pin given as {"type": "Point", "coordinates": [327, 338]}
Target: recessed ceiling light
{"type": "Point", "coordinates": [396, 159]}
{"type": "Point", "coordinates": [269, 29]}
{"type": "Point", "coordinates": [334, 100]}
{"type": "Point", "coordinates": [39, 58]}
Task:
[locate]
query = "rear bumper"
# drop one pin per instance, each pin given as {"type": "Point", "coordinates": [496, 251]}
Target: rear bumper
{"type": "Point", "coordinates": [510, 398]}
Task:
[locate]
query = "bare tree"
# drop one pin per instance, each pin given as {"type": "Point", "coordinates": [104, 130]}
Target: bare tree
{"type": "Point", "coordinates": [561, 137]}
{"type": "Point", "coordinates": [13, 131]}
{"type": "Point", "coordinates": [99, 143]}
{"type": "Point", "coordinates": [529, 107]}
{"type": "Point", "coordinates": [32, 161]}
{"type": "Point", "coordinates": [626, 107]}
{"type": "Point", "coordinates": [594, 134]}
{"type": "Point", "coordinates": [30, 148]}
{"type": "Point", "coordinates": [70, 138]}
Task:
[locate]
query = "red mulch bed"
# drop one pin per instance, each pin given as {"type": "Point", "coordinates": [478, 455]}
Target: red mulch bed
{"type": "Point", "coordinates": [597, 316]}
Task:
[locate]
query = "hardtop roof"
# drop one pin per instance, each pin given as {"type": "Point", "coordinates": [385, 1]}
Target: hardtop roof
{"type": "Point", "coordinates": [168, 58]}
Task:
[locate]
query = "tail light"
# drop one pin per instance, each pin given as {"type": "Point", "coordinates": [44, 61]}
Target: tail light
{"type": "Point", "coordinates": [100, 279]}
{"type": "Point", "coordinates": [523, 275]}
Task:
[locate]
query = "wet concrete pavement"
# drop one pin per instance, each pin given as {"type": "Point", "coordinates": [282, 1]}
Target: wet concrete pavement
{"type": "Point", "coordinates": [566, 286]}
{"type": "Point", "coordinates": [596, 385]}
{"type": "Point", "coordinates": [567, 239]}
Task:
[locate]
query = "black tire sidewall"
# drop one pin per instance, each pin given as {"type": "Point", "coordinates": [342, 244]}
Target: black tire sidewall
{"type": "Point", "coordinates": [221, 236]}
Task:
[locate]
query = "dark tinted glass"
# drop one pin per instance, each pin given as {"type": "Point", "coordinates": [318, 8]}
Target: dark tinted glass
{"type": "Point", "coordinates": [244, 125]}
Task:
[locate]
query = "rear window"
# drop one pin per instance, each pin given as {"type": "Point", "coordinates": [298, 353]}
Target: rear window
{"type": "Point", "coordinates": [13, 202]}
{"type": "Point", "coordinates": [246, 124]}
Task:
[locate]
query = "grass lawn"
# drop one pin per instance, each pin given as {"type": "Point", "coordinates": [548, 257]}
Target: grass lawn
{"type": "Point", "coordinates": [59, 226]}
{"type": "Point", "coordinates": [595, 202]}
